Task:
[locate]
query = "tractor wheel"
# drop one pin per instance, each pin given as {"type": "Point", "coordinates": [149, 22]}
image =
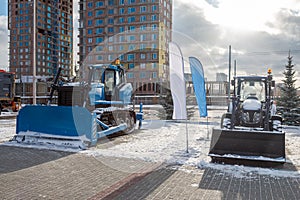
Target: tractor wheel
{"type": "Point", "coordinates": [276, 125]}
{"type": "Point", "coordinates": [225, 121]}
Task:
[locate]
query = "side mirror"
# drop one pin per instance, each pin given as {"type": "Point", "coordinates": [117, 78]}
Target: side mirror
{"type": "Point", "coordinates": [232, 82]}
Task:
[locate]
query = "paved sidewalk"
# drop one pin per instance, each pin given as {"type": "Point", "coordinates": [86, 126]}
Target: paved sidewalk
{"type": "Point", "coordinates": [42, 174]}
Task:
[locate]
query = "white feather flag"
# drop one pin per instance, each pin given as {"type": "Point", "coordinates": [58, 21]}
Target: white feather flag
{"type": "Point", "coordinates": [177, 82]}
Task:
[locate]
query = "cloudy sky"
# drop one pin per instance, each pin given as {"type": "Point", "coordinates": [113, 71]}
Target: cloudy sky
{"type": "Point", "coordinates": [260, 32]}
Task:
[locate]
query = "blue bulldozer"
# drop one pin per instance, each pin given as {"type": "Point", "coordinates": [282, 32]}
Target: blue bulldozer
{"type": "Point", "coordinates": [99, 105]}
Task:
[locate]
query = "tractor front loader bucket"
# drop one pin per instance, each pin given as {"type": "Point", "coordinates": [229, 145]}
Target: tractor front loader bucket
{"type": "Point", "coordinates": [247, 145]}
{"type": "Point", "coordinates": [66, 126]}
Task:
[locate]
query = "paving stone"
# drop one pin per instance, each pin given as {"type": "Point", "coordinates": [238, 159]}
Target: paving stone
{"type": "Point", "coordinates": [41, 174]}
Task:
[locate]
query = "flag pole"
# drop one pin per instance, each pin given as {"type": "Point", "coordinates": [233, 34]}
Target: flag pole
{"type": "Point", "coordinates": [207, 135]}
{"type": "Point", "coordinates": [187, 136]}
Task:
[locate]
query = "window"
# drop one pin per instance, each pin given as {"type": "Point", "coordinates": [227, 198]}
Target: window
{"type": "Point", "coordinates": [121, 11]}
{"type": "Point", "coordinates": [143, 9]}
{"type": "Point", "coordinates": [131, 1]}
{"type": "Point", "coordinates": [130, 65]}
{"type": "Point", "coordinates": [99, 48]}
{"type": "Point", "coordinates": [111, 11]}
{"type": "Point", "coordinates": [142, 75]}
{"type": "Point", "coordinates": [99, 4]}
{"type": "Point", "coordinates": [99, 12]}
{"type": "Point", "coordinates": [130, 57]}
{"type": "Point", "coordinates": [90, 13]}
{"type": "Point", "coordinates": [90, 40]}
{"type": "Point", "coordinates": [99, 30]}
{"type": "Point", "coordinates": [131, 38]}
{"type": "Point", "coordinates": [130, 74]}
{"type": "Point", "coordinates": [154, 27]}
{"type": "Point", "coordinates": [121, 29]}
{"type": "Point", "coordinates": [142, 46]}
{"type": "Point", "coordinates": [142, 18]}
{"type": "Point", "coordinates": [131, 19]}
{"type": "Point", "coordinates": [99, 40]}
{"type": "Point", "coordinates": [143, 65]}
{"type": "Point", "coordinates": [154, 46]}
{"type": "Point", "coordinates": [154, 36]}
{"type": "Point", "coordinates": [154, 56]}
{"type": "Point", "coordinates": [90, 22]}
{"type": "Point", "coordinates": [143, 37]}
{"type": "Point", "coordinates": [143, 56]}
{"type": "Point", "coordinates": [131, 10]}
{"type": "Point", "coordinates": [131, 47]}
{"type": "Point", "coordinates": [110, 2]}
{"type": "Point", "coordinates": [131, 28]}
{"type": "Point", "coordinates": [110, 57]}
{"type": "Point", "coordinates": [154, 74]}
{"type": "Point", "coordinates": [99, 22]}
{"type": "Point", "coordinates": [110, 21]}
{"type": "Point", "coordinates": [143, 27]}
{"type": "Point", "coordinates": [153, 17]}
{"type": "Point", "coordinates": [154, 8]}
{"type": "Point", "coordinates": [110, 29]}
{"type": "Point", "coordinates": [121, 20]}
{"type": "Point", "coordinates": [90, 4]}
{"type": "Point", "coordinates": [121, 2]}
{"type": "Point", "coordinates": [121, 38]}
{"type": "Point", "coordinates": [90, 31]}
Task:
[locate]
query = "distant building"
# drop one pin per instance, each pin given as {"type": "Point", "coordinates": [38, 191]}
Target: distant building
{"type": "Point", "coordinates": [54, 38]}
{"type": "Point", "coordinates": [135, 31]}
{"type": "Point", "coordinates": [221, 77]}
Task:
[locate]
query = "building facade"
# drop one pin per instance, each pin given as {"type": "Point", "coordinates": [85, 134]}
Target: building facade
{"type": "Point", "coordinates": [53, 48]}
{"type": "Point", "coordinates": [135, 31]}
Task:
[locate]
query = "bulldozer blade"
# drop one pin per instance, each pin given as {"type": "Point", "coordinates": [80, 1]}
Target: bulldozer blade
{"type": "Point", "coordinates": [55, 123]}
{"type": "Point", "coordinates": [248, 145]}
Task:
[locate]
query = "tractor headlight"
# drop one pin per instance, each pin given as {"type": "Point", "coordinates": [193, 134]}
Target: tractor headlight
{"type": "Point", "coordinates": [245, 117]}
{"type": "Point", "coordinates": [256, 117]}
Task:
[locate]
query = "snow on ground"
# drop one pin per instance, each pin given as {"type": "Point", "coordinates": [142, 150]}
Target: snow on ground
{"type": "Point", "coordinates": [166, 142]}
{"type": "Point", "coordinates": [292, 144]}
{"type": "Point", "coordinates": [7, 129]}
{"type": "Point", "coordinates": [162, 141]}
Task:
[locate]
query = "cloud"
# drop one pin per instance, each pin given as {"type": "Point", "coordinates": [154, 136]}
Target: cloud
{"type": "Point", "coordinates": [254, 51]}
{"type": "Point", "coordinates": [3, 43]}
{"type": "Point", "coordinates": [214, 3]}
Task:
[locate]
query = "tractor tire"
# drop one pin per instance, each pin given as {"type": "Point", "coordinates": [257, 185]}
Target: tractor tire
{"type": "Point", "coordinates": [225, 121]}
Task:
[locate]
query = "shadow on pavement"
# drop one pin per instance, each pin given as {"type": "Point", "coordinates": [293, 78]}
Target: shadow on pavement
{"type": "Point", "coordinates": [17, 158]}
{"type": "Point", "coordinates": [141, 186]}
{"type": "Point", "coordinates": [240, 184]}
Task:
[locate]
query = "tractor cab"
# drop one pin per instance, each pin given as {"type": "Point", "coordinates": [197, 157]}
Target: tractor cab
{"type": "Point", "coordinates": [252, 89]}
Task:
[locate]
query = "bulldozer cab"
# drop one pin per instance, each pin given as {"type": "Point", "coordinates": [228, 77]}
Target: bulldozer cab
{"type": "Point", "coordinates": [112, 78]}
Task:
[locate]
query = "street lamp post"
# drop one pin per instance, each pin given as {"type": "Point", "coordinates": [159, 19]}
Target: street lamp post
{"type": "Point", "coordinates": [34, 55]}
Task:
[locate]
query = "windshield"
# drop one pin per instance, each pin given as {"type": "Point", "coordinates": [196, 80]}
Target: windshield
{"type": "Point", "coordinates": [252, 89]}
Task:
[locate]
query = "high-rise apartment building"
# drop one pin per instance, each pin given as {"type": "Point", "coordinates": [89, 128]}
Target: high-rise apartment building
{"type": "Point", "coordinates": [53, 28]}
{"type": "Point", "coordinates": [135, 31]}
